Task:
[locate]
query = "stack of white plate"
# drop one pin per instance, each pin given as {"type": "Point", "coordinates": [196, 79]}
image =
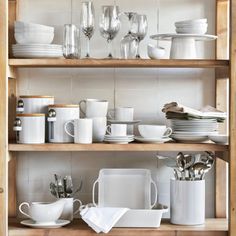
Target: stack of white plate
{"type": "Point", "coordinates": [119, 139]}
{"type": "Point", "coordinates": [196, 130]}
{"type": "Point", "coordinates": [37, 50]}
{"type": "Point", "coordinates": [198, 26]}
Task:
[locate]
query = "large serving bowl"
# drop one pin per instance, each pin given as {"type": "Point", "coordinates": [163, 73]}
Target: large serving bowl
{"type": "Point", "coordinates": [34, 37]}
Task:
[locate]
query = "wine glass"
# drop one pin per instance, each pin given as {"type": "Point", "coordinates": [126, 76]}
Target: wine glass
{"type": "Point", "coordinates": [129, 43]}
{"type": "Point", "coordinates": [87, 21]}
{"type": "Point", "coordinates": [139, 28]}
{"type": "Point", "coordinates": [109, 25]}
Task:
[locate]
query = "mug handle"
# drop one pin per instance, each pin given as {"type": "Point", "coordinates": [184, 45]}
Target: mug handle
{"type": "Point", "coordinates": [109, 115]}
{"type": "Point", "coordinates": [155, 199]}
{"type": "Point", "coordinates": [80, 204]}
{"type": "Point", "coordinates": [167, 133]}
{"type": "Point", "coordinates": [21, 211]}
{"type": "Point", "coordinates": [94, 185]}
{"type": "Point", "coordinates": [108, 129]}
{"type": "Point", "coordinates": [66, 130]}
{"type": "Point", "coordinates": [82, 111]}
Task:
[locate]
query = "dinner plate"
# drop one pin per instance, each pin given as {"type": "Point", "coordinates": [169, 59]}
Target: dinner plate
{"type": "Point", "coordinates": [194, 133]}
{"type": "Point", "coordinates": [184, 138]}
{"type": "Point", "coordinates": [33, 224]}
{"type": "Point", "coordinates": [152, 140]}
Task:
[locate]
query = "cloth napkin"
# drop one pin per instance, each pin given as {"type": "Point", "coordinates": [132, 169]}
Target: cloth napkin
{"type": "Point", "coordinates": [102, 219]}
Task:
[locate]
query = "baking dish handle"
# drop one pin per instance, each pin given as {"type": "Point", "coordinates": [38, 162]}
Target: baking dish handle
{"type": "Point", "coordinates": [94, 186]}
{"type": "Point", "coordinates": [155, 188]}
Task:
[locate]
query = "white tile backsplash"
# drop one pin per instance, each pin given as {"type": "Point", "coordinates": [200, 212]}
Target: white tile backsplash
{"type": "Point", "coordinates": [144, 89]}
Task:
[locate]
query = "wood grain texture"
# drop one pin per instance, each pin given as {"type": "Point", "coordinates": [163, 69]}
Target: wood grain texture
{"type": "Point", "coordinates": [222, 101]}
{"type": "Point", "coordinates": [3, 116]}
{"type": "Point", "coordinates": [12, 164]}
{"type": "Point", "coordinates": [212, 227]}
{"type": "Point", "coordinates": [117, 147]}
{"type": "Point", "coordinates": [142, 63]}
{"type": "Point", "coordinates": [232, 121]}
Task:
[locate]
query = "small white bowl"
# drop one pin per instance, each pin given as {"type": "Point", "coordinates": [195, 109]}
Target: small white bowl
{"type": "Point", "coordinates": [191, 30]}
{"type": "Point", "coordinates": [196, 21]}
{"type": "Point", "coordinates": [34, 38]}
{"type": "Point", "coordinates": [154, 131]}
{"type": "Point", "coordinates": [220, 138]}
{"type": "Point", "coordinates": [155, 52]}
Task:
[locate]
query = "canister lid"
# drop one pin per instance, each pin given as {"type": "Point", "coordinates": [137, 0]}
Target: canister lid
{"type": "Point", "coordinates": [63, 106]}
{"type": "Point", "coordinates": [30, 115]}
{"type": "Point", "coordinates": [36, 96]}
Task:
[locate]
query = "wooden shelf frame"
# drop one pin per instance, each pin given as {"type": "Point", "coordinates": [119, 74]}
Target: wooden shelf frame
{"type": "Point", "coordinates": [118, 63]}
{"type": "Point", "coordinates": [212, 227]}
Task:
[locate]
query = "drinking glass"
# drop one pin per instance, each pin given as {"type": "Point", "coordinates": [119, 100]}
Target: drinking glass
{"type": "Point", "coordinates": [139, 28]}
{"type": "Point", "coordinates": [71, 46]}
{"type": "Point", "coordinates": [109, 25]}
{"type": "Point", "coordinates": [129, 43]}
{"type": "Point", "coordinates": [87, 21]}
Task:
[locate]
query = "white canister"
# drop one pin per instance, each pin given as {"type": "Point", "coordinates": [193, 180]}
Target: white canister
{"type": "Point", "coordinates": [30, 128]}
{"type": "Point", "coordinates": [58, 115]}
{"type": "Point", "coordinates": [34, 104]}
{"type": "Point", "coordinates": [187, 202]}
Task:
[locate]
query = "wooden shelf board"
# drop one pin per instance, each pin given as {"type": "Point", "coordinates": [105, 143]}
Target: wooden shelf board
{"type": "Point", "coordinates": [117, 147]}
{"type": "Point", "coordinates": [105, 63]}
{"type": "Point", "coordinates": [216, 227]}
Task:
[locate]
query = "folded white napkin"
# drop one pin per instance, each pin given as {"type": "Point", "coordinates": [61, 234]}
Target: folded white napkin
{"type": "Point", "coordinates": [102, 219]}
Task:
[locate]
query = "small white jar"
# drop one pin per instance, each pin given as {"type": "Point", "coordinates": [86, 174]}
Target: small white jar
{"type": "Point", "coordinates": [30, 128]}
{"type": "Point", "coordinates": [34, 104]}
{"type": "Point", "coordinates": [58, 115]}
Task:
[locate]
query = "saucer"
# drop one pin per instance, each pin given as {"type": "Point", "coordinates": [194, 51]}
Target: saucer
{"type": "Point", "coordinates": [128, 122]}
{"type": "Point", "coordinates": [152, 140]}
{"type": "Point", "coordinates": [33, 224]}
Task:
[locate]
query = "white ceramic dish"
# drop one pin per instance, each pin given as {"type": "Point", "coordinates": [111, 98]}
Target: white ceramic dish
{"type": "Point", "coordinates": [142, 218]}
{"type": "Point", "coordinates": [108, 136]}
{"type": "Point", "coordinates": [33, 224]}
{"type": "Point", "coordinates": [220, 138]}
{"type": "Point", "coordinates": [194, 21]}
{"type": "Point", "coordinates": [129, 188]}
{"type": "Point", "coordinates": [190, 138]}
{"type": "Point", "coordinates": [20, 25]}
{"type": "Point", "coordinates": [124, 122]}
{"type": "Point", "coordinates": [34, 37]}
{"type": "Point", "coordinates": [155, 52]}
{"type": "Point", "coordinates": [154, 131]}
{"type": "Point", "coordinates": [194, 133]}
{"type": "Point", "coordinates": [191, 30]}
{"type": "Point", "coordinates": [151, 140]}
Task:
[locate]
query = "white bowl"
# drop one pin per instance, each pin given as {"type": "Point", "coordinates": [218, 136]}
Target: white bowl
{"type": "Point", "coordinates": [153, 131]}
{"type": "Point", "coordinates": [155, 52]}
{"type": "Point", "coordinates": [196, 21]}
{"type": "Point", "coordinates": [20, 25]}
{"type": "Point", "coordinates": [34, 38]}
{"type": "Point", "coordinates": [219, 138]}
{"type": "Point", "coordinates": [191, 30]}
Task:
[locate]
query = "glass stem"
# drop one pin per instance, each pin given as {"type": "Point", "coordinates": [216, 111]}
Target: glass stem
{"type": "Point", "coordinates": [109, 48]}
{"type": "Point", "coordinates": [138, 53]}
{"type": "Point", "coordinates": [88, 48]}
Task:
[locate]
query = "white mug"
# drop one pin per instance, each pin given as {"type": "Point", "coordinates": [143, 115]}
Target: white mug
{"type": "Point", "coordinates": [82, 130]}
{"type": "Point", "coordinates": [68, 210]}
{"type": "Point", "coordinates": [43, 212]}
{"type": "Point", "coordinates": [117, 129]}
{"type": "Point", "coordinates": [122, 114]}
{"type": "Point", "coordinates": [187, 202]}
{"type": "Point", "coordinates": [99, 128]}
{"type": "Point", "coordinates": [94, 108]}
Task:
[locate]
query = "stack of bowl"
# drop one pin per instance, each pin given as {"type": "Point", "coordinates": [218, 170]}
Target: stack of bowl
{"type": "Point", "coordinates": [34, 40]}
{"type": "Point", "coordinates": [198, 26]}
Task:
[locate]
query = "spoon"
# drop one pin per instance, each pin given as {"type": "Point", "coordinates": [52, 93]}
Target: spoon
{"type": "Point", "coordinates": [199, 170]}
{"type": "Point", "coordinates": [180, 162]}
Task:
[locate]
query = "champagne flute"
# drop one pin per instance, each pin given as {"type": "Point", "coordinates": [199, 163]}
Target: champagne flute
{"type": "Point", "coordinates": [109, 25]}
{"type": "Point", "coordinates": [87, 19]}
{"type": "Point", "coordinates": [139, 28]}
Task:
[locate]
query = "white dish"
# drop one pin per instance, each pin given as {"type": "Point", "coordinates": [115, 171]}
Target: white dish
{"type": "Point", "coordinates": [155, 52]}
{"type": "Point", "coordinates": [154, 131]}
{"type": "Point", "coordinates": [191, 30]}
{"type": "Point", "coordinates": [220, 138]}
{"type": "Point", "coordinates": [20, 25]}
{"type": "Point", "coordinates": [33, 224]}
{"type": "Point", "coordinates": [129, 188]}
{"type": "Point", "coordinates": [152, 140]}
{"type": "Point", "coordinates": [128, 122]}
{"type": "Point", "coordinates": [119, 141]}
{"type": "Point", "coordinates": [34, 38]}
{"type": "Point", "coordinates": [190, 138]}
{"type": "Point", "coordinates": [197, 37]}
{"type": "Point", "coordinates": [108, 136]}
{"type": "Point", "coordinates": [193, 21]}
{"type": "Point", "coordinates": [142, 218]}
{"type": "Point", "coordinates": [190, 133]}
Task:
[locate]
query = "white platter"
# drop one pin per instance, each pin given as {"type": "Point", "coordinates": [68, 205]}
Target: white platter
{"type": "Point", "coordinates": [151, 140]}
{"type": "Point", "coordinates": [197, 37]}
{"type": "Point", "coordinates": [142, 218]}
{"type": "Point", "coordinates": [129, 188]}
{"type": "Point", "coordinates": [33, 224]}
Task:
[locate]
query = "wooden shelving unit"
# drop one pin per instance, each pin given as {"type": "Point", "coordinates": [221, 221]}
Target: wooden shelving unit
{"type": "Point", "coordinates": [118, 63]}
{"type": "Point", "coordinates": [225, 72]}
{"type": "Point", "coordinates": [212, 227]}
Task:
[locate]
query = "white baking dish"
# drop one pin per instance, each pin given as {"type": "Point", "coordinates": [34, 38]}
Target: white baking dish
{"type": "Point", "coordinates": [142, 218]}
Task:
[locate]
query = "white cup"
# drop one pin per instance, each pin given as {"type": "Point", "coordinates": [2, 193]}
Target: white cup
{"type": "Point", "coordinates": [117, 129]}
{"type": "Point", "coordinates": [82, 130]}
{"type": "Point", "coordinates": [187, 202]}
{"type": "Point", "coordinates": [122, 114]}
{"type": "Point", "coordinates": [68, 210]}
{"type": "Point", "coordinates": [154, 131]}
{"type": "Point", "coordinates": [43, 212]}
{"type": "Point", "coordinates": [99, 128]}
{"type": "Point", "coordinates": [94, 108]}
